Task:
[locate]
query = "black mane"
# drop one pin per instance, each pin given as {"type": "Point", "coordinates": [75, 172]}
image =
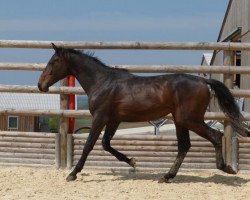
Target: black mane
{"type": "Point", "coordinates": [91, 55]}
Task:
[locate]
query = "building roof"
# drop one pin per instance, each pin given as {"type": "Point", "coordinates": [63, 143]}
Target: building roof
{"type": "Point", "coordinates": [224, 20]}
{"type": "Point", "coordinates": [29, 101]}
{"type": "Point", "coordinates": [206, 58]}
{"type": "Point", "coordinates": [222, 28]}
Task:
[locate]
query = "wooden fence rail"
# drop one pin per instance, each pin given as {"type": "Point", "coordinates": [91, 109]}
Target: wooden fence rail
{"type": "Point", "coordinates": [145, 68]}
{"type": "Point", "coordinates": [86, 114]}
{"type": "Point", "coordinates": [49, 113]}
{"type": "Point", "coordinates": [228, 46]}
{"type": "Point", "coordinates": [80, 91]}
{"type": "Point", "coordinates": [34, 89]}
{"type": "Point", "coordinates": [132, 68]}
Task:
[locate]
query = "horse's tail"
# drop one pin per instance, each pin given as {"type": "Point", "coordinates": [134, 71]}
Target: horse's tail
{"type": "Point", "coordinates": [229, 106]}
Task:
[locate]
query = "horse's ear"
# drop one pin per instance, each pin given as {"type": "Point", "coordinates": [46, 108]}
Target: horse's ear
{"type": "Point", "coordinates": [55, 48]}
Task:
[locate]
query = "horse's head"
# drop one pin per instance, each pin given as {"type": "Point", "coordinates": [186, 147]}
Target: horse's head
{"type": "Point", "coordinates": [55, 70]}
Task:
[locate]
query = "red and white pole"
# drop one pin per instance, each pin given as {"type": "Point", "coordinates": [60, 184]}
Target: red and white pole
{"type": "Point", "coordinates": [72, 104]}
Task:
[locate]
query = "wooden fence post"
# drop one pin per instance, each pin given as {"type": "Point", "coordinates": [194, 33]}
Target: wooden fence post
{"type": "Point", "coordinates": [57, 150]}
{"type": "Point", "coordinates": [235, 153]}
{"type": "Point", "coordinates": [70, 150]}
{"type": "Point", "coordinates": [229, 57]}
{"type": "Point", "coordinates": [64, 125]}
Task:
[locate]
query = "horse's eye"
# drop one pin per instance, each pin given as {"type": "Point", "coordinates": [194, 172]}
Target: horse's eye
{"type": "Point", "coordinates": [56, 60]}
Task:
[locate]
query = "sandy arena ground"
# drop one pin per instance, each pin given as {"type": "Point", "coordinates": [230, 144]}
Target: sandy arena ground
{"type": "Point", "coordinates": [20, 183]}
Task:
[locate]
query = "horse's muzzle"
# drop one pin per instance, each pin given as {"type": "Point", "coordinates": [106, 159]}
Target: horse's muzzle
{"type": "Point", "coordinates": [42, 88]}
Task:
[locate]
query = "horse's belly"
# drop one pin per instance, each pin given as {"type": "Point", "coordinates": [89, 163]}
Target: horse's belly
{"type": "Point", "coordinates": [138, 115]}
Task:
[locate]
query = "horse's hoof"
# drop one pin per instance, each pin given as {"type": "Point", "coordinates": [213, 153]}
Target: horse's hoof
{"type": "Point", "coordinates": [132, 162]}
{"type": "Point", "coordinates": [228, 169]}
{"type": "Point", "coordinates": [164, 180]}
{"type": "Point", "coordinates": [71, 178]}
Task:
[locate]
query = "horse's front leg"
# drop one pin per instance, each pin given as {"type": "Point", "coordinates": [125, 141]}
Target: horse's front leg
{"type": "Point", "coordinates": [97, 126]}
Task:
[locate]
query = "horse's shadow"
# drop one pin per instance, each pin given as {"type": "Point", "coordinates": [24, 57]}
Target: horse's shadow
{"type": "Point", "coordinates": [216, 178]}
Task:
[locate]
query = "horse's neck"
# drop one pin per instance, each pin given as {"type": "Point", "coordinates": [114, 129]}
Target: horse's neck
{"type": "Point", "coordinates": [87, 73]}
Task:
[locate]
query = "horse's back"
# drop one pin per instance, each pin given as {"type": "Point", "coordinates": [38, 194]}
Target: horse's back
{"type": "Point", "coordinates": [147, 98]}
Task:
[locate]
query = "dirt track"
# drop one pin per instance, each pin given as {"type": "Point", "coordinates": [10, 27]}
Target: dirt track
{"type": "Point", "coordinates": [48, 183]}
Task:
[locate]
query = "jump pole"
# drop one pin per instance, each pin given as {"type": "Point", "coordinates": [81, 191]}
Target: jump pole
{"type": "Point", "coordinates": [71, 104]}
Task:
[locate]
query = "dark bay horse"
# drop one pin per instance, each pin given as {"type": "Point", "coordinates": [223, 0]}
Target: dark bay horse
{"type": "Point", "coordinates": [117, 96]}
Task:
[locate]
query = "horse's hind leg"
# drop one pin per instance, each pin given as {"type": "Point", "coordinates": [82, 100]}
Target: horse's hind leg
{"type": "Point", "coordinates": [215, 137]}
{"type": "Point", "coordinates": [108, 135]}
{"type": "Point", "coordinates": [183, 147]}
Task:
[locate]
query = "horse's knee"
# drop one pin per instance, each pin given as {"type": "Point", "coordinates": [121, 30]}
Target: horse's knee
{"type": "Point", "coordinates": [184, 143]}
{"type": "Point", "coordinates": [184, 146]}
{"type": "Point", "coordinates": [105, 144]}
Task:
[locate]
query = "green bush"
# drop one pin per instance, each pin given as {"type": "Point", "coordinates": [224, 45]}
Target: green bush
{"type": "Point", "coordinates": [54, 124]}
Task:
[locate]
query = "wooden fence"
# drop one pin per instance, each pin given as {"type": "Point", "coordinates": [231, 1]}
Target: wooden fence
{"type": "Point", "coordinates": [148, 149]}
{"type": "Point", "coordinates": [154, 152]}
{"type": "Point", "coordinates": [244, 154]}
{"type": "Point", "coordinates": [29, 149]}
{"type": "Point", "coordinates": [151, 152]}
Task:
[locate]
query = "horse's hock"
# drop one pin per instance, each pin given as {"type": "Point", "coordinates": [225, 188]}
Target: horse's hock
{"type": "Point", "coordinates": [150, 152]}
